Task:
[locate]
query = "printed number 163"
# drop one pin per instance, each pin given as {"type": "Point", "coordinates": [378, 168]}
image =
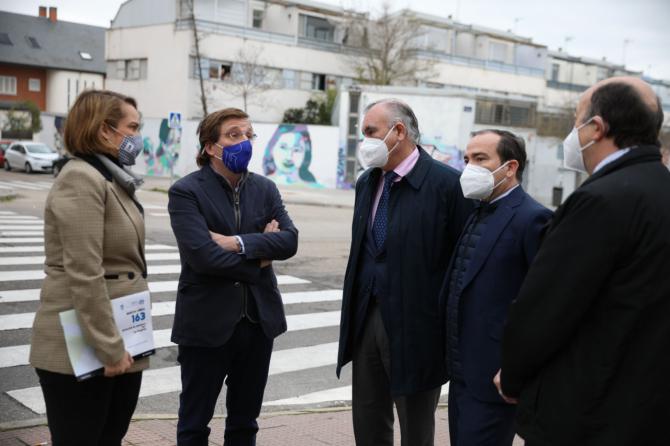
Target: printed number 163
{"type": "Point", "coordinates": [138, 317]}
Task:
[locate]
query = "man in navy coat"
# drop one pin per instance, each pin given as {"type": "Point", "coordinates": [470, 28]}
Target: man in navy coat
{"type": "Point", "coordinates": [408, 213]}
{"type": "Point", "coordinates": [230, 224]}
{"type": "Point", "coordinates": [492, 257]}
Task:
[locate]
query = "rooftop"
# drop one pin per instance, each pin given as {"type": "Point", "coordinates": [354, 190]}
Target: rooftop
{"type": "Point", "coordinates": [40, 42]}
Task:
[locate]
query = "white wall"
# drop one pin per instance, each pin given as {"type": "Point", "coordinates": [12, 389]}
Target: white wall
{"type": "Point", "coordinates": [472, 76]}
{"type": "Point", "coordinates": [166, 88]}
{"type": "Point", "coordinates": [59, 96]}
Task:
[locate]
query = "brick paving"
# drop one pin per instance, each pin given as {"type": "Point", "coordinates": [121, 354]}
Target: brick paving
{"type": "Point", "coordinates": [310, 428]}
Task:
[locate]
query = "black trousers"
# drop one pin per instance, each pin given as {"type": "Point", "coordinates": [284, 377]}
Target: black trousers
{"type": "Point", "coordinates": [475, 422]}
{"type": "Point", "coordinates": [372, 400]}
{"type": "Point", "coordinates": [243, 361]}
{"type": "Point", "coordinates": [96, 411]}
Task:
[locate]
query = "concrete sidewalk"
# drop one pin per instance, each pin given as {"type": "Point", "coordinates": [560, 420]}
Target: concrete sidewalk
{"type": "Point", "coordinates": [308, 428]}
{"type": "Point", "coordinates": [302, 195]}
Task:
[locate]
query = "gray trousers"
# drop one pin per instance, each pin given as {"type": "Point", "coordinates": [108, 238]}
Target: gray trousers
{"type": "Point", "coordinates": [372, 400]}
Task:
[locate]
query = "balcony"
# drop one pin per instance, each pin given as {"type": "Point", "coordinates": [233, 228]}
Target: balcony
{"type": "Point", "coordinates": [566, 86]}
{"type": "Point", "coordinates": [480, 63]}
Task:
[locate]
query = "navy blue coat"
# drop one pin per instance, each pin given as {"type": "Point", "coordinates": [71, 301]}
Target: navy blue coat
{"type": "Point", "coordinates": [210, 296]}
{"type": "Point", "coordinates": [491, 282]}
{"type": "Point", "coordinates": [426, 215]}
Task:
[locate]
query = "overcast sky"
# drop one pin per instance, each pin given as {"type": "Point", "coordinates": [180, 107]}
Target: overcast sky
{"type": "Point", "coordinates": [588, 28]}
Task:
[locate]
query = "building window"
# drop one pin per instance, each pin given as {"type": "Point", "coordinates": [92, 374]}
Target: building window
{"type": "Point", "coordinates": [316, 28]}
{"type": "Point", "coordinates": [512, 115]}
{"type": "Point", "coordinates": [318, 81]}
{"type": "Point", "coordinates": [289, 78]}
{"type": "Point", "coordinates": [219, 70]}
{"type": "Point", "coordinates": [34, 84]}
{"type": "Point", "coordinates": [8, 85]}
{"type": "Point", "coordinates": [5, 40]}
{"type": "Point", "coordinates": [498, 52]}
{"type": "Point", "coordinates": [306, 80]}
{"type": "Point", "coordinates": [129, 69]}
{"type": "Point", "coordinates": [86, 56]}
{"type": "Point", "coordinates": [555, 69]}
{"type": "Point", "coordinates": [33, 42]}
{"type": "Point", "coordinates": [257, 21]}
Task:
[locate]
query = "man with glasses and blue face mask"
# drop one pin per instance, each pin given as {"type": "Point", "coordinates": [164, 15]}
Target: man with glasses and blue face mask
{"type": "Point", "coordinates": [491, 260]}
{"type": "Point", "coordinates": [408, 213]}
{"type": "Point", "coordinates": [585, 348]}
{"type": "Point", "coordinates": [230, 224]}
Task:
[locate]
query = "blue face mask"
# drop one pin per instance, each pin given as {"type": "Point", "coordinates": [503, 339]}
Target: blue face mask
{"type": "Point", "coordinates": [236, 157]}
{"type": "Point", "coordinates": [129, 149]}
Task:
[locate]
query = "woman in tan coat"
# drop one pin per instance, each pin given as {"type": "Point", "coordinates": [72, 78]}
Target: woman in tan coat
{"type": "Point", "coordinates": [94, 243]}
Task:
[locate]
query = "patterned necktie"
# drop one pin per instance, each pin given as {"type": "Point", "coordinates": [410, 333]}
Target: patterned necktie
{"type": "Point", "coordinates": [381, 217]}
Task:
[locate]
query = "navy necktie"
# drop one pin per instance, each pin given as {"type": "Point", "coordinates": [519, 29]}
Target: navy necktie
{"type": "Point", "coordinates": [381, 217]}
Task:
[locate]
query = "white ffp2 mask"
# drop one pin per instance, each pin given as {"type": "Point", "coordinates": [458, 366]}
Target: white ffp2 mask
{"type": "Point", "coordinates": [374, 152]}
{"type": "Point", "coordinates": [477, 182]}
{"type": "Point", "coordinates": [572, 150]}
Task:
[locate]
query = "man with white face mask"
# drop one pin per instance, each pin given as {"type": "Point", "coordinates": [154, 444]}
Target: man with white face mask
{"type": "Point", "coordinates": [492, 257]}
{"type": "Point", "coordinates": [585, 348]}
{"type": "Point", "coordinates": [408, 214]}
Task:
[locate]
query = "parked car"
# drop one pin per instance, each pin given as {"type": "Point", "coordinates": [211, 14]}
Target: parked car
{"type": "Point", "coordinates": [59, 163]}
{"type": "Point", "coordinates": [30, 156]}
{"type": "Point", "coordinates": [4, 144]}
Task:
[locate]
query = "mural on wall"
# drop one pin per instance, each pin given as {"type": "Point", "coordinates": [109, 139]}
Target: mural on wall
{"type": "Point", "coordinates": [288, 155]}
{"type": "Point", "coordinates": [342, 182]}
{"type": "Point", "coordinates": [448, 154]}
{"type": "Point", "coordinates": [161, 159]}
{"type": "Point", "coordinates": [59, 125]}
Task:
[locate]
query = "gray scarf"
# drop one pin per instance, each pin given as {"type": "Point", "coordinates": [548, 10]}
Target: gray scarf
{"type": "Point", "coordinates": [128, 180]}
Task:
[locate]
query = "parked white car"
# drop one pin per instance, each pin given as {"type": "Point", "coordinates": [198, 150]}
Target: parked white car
{"type": "Point", "coordinates": [30, 156]}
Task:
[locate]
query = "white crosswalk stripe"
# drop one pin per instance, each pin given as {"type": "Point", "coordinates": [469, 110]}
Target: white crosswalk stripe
{"type": "Point", "coordinates": [18, 354]}
{"type": "Point", "coordinates": [311, 312]}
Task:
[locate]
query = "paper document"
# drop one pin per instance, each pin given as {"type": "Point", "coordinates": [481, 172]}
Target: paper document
{"type": "Point", "coordinates": [132, 314]}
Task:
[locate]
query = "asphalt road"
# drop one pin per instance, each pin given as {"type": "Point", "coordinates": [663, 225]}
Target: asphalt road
{"type": "Point", "coordinates": [303, 364]}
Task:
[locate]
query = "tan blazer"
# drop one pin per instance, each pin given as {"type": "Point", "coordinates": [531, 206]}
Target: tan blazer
{"type": "Point", "coordinates": [92, 229]}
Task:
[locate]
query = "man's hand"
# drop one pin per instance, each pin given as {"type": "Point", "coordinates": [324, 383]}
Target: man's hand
{"type": "Point", "coordinates": [496, 381]}
{"type": "Point", "coordinates": [227, 242]}
{"type": "Point", "coordinates": [273, 226]}
{"type": "Point", "coordinates": [120, 367]}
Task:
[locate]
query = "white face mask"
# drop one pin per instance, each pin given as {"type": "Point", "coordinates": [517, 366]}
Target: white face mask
{"type": "Point", "coordinates": [477, 182]}
{"type": "Point", "coordinates": [572, 150]}
{"type": "Point", "coordinates": [374, 152]}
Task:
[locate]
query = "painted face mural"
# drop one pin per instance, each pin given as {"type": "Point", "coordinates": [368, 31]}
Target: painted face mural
{"type": "Point", "coordinates": [447, 154]}
{"type": "Point", "coordinates": [288, 155]}
{"type": "Point", "coordinates": [159, 160]}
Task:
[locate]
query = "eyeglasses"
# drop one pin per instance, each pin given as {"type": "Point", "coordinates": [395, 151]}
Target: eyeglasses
{"type": "Point", "coordinates": [236, 135]}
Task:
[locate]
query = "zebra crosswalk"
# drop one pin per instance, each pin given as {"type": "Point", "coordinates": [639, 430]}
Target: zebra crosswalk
{"type": "Point", "coordinates": [302, 366]}
{"type": "Point", "coordinates": [25, 185]}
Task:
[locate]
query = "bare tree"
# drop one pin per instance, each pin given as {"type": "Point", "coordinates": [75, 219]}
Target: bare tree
{"type": "Point", "coordinates": [197, 37]}
{"type": "Point", "coordinates": [249, 75]}
{"type": "Point", "coordinates": [388, 48]}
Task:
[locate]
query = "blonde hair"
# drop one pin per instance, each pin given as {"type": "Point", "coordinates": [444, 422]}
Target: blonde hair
{"type": "Point", "coordinates": [91, 110]}
{"type": "Point", "coordinates": [209, 130]}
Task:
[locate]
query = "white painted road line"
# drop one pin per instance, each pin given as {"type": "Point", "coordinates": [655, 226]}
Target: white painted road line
{"type": "Point", "coordinates": [337, 394]}
{"type": "Point", "coordinates": [39, 260]}
{"type": "Point", "coordinates": [19, 233]}
{"type": "Point", "coordinates": [40, 248]}
{"type": "Point", "coordinates": [12, 276]}
{"type": "Point", "coordinates": [171, 286]}
{"type": "Point", "coordinates": [21, 239]}
{"type": "Point", "coordinates": [22, 227]}
{"type": "Point", "coordinates": [18, 355]}
{"type": "Point", "coordinates": [295, 322]}
{"type": "Point", "coordinates": [159, 214]}
{"type": "Point", "coordinates": [7, 213]}
{"type": "Point", "coordinates": [167, 380]}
